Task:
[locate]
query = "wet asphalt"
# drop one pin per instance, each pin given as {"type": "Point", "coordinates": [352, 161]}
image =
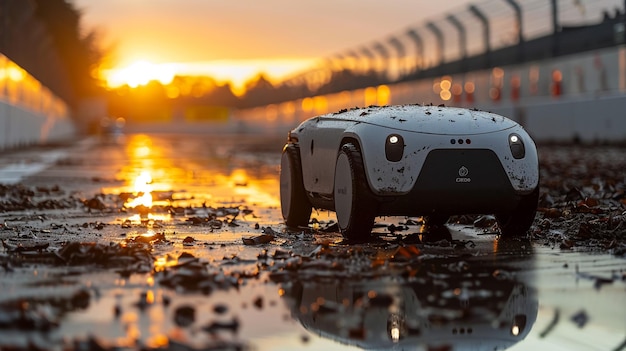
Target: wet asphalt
{"type": "Point", "coordinates": [203, 261]}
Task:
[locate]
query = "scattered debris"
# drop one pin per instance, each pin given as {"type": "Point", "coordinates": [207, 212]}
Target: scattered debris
{"type": "Point", "coordinates": [258, 239]}
{"type": "Point", "coordinates": [582, 207]}
{"type": "Point", "coordinates": [580, 318]}
{"type": "Point", "coordinates": [583, 199]}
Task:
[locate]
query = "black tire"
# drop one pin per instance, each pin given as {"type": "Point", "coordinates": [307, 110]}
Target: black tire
{"type": "Point", "coordinates": [436, 219]}
{"type": "Point", "coordinates": [295, 206]}
{"type": "Point", "coordinates": [517, 223]}
{"type": "Point", "coordinates": [355, 205]}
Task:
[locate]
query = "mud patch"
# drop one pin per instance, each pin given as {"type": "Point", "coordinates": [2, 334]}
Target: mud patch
{"type": "Point", "coordinates": [583, 199]}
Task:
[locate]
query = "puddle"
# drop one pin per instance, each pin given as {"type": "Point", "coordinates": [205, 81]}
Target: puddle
{"type": "Point", "coordinates": [176, 243]}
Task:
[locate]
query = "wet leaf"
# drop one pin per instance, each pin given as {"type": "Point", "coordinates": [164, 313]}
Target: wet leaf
{"type": "Point", "coordinates": [589, 202]}
{"type": "Point", "coordinates": [406, 252]}
{"type": "Point", "coordinates": [258, 239]}
{"type": "Point", "coordinates": [149, 239]}
{"type": "Point", "coordinates": [95, 203]}
{"type": "Point", "coordinates": [551, 212]}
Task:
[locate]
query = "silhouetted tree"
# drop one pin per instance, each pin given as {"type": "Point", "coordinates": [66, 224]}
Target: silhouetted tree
{"type": "Point", "coordinates": [259, 91]}
{"type": "Point", "coordinates": [78, 53]}
{"type": "Point", "coordinates": [349, 80]}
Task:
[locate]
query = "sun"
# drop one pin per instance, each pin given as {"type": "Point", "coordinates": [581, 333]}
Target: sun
{"type": "Point", "coordinates": [140, 72]}
{"type": "Point", "coordinates": [234, 72]}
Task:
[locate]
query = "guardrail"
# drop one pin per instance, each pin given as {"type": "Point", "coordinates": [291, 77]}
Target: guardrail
{"type": "Point", "coordinates": [588, 105]}
{"type": "Point", "coordinates": [484, 34]}
{"type": "Point", "coordinates": [29, 113]}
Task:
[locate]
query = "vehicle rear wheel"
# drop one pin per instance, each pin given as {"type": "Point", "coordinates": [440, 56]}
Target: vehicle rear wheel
{"type": "Point", "coordinates": [354, 204]}
{"type": "Point", "coordinates": [295, 205]}
{"type": "Point", "coordinates": [518, 222]}
{"type": "Point", "coordinates": [436, 219]}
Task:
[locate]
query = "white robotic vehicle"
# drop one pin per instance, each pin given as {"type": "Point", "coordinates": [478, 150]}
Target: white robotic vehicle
{"type": "Point", "coordinates": [409, 160]}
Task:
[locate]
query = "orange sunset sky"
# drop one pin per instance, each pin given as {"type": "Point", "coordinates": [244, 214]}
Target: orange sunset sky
{"type": "Point", "coordinates": [234, 40]}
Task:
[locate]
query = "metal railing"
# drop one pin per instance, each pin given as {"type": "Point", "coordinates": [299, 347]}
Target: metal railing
{"type": "Point", "coordinates": [471, 31]}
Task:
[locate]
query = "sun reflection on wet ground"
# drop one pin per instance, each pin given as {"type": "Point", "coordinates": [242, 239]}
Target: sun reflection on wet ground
{"type": "Point", "coordinates": [143, 191]}
{"type": "Point", "coordinates": [154, 181]}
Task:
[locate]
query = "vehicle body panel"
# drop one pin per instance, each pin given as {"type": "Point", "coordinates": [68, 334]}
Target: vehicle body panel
{"type": "Point", "coordinates": [423, 130]}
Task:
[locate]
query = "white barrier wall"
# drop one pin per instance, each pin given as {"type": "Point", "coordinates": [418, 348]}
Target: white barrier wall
{"type": "Point", "coordinates": [29, 113]}
{"type": "Point", "coordinates": [579, 97]}
{"type": "Point", "coordinates": [587, 120]}
{"type": "Point", "coordinates": [20, 127]}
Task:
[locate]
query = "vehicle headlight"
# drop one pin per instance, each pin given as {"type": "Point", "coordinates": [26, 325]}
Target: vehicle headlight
{"type": "Point", "coordinates": [396, 327]}
{"type": "Point", "coordinates": [394, 147]}
{"type": "Point", "coordinates": [517, 146]}
{"type": "Point", "coordinates": [519, 324]}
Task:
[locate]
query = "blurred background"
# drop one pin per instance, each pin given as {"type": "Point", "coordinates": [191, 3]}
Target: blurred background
{"type": "Point", "coordinates": [75, 68]}
{"type": "Point", "coordinates": [168, 117]}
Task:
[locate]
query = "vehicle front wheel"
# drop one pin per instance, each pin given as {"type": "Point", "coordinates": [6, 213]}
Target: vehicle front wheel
{"type": "Point", "coordinates": [518, 222]}
{"type": "Point", "coordinates": [354, 204]}
{"type": "Point", "coordinates": [295, 205]}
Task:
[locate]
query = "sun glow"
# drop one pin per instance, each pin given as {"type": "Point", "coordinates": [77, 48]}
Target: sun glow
{"type": "Point", "coordinates": [140, 73]}
{"type": "Point", "coordinates": [235, 72]}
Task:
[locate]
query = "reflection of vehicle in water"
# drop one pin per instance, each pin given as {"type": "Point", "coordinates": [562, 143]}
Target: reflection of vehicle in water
{"type": "Point", "coordinates": [445, 308]}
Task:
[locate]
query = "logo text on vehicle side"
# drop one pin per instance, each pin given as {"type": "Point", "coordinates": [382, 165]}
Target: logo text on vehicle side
{"type": "Point", "coordinates": [463, 178]}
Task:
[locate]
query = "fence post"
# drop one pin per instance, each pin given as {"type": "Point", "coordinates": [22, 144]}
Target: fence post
{"type": "Point", "coordinates": [462, 35]}
{"type": "Point", "coordinates": [419, 46]}
{"type": "Point", "coordinates": [555, 27]}
{"type": "Point", "coordinates": [399, 48]}
{"type": "Point", "coordinates": [520, 30]}
{"type": "Point", "coordinates": [440, 45]}
{"type": "Point", "coordinates": [384, 56]}
{"type": "Point", "coordinates": [369, 57]}
{"type": "Point", "coordinates": [486, 32]}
